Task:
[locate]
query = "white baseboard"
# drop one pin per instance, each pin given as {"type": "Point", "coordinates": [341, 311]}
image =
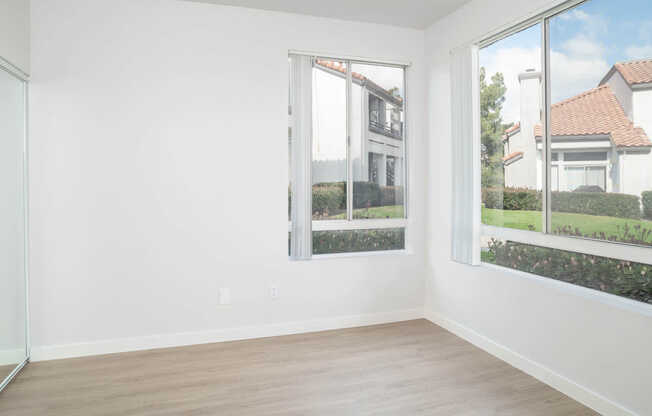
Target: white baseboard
{"type": "Point", "coordinates": [580, 393]}
{"type": "Point", "coordinates": [109, 346]}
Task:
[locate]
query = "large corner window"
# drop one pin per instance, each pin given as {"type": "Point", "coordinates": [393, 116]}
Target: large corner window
{"type": "Point", "coordinates": [347, 156]}
{"type": "Point", "coordinates": [566, 153]}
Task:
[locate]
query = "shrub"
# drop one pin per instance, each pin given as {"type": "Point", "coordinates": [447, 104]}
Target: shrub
{"type": "Point", "coordinates": [588, 188]}
{"type": "Point", "coordinates": [328, 199]}
{"type": "Point", "coordinates": [329, 242]}
{"type": "Point", "coordinates": [647, 204]}
{"type": "Point", "coordinates": [623, 278]}
{"type": "Point", "coordinates": [597, 203]}
{"type": "Point", "coordinates": [521, 199]}
{"type": "Point", "coordinates": [366, 194]}
{"type": "Point", "coordinates": [631, 234]}
{"type": "Point", "coordinates": [391, 195]}
{"type": "Point", "coordinates": [591, 203]}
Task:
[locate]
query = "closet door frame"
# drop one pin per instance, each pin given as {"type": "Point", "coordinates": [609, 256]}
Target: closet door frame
{"type": "Point", "coordinates": [23, 78]}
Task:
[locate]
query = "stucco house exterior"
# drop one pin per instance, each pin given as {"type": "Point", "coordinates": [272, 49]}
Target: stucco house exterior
{"type": "Point", "coordinates": [599, 137]}
{"type": "Point", "coordinates": [376, 128]}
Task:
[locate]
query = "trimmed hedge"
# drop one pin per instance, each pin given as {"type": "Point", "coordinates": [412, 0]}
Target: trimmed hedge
{"type": "Point", "coordinates": [520, 199]}
{"type": "Point", "coordinates": [330, 242]}
{"type": "Point", "coordinates": [597, 203]}
{"type": "Point", "coordinates": [391, 195]}
{"type": "Point", "coordinates": [618, 277]}
{"type": "Point", "coordinates": [591, 203]}
{"type": "Point", "coordinates": [369, 194]}
{"type": "Point", "coordinates": [646, 198]}
{"type": "Point", "coordinates": [366, 194]}
{"type": "Point", "coordinates": [355, 241]}
{"type": "Point", "coordinates": [330, 198]}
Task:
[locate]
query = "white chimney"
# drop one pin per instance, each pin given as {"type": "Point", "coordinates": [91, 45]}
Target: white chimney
{"type": "Point", "coordinates": [530, 81]}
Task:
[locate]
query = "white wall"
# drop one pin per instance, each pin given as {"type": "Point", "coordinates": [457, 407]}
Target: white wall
{"type": "Point", "coordinates": [642, 116]}
{"type": "Point", "coordinates": [14, 32]}
{"type": "Point", "coordinates": [159, 172]}
{"type": "Point", "coordinates": [623, 93]}
{"type": "Point", "coordinates": [602, 347]}
{"type": "Point", "coordinates": [634, 168]}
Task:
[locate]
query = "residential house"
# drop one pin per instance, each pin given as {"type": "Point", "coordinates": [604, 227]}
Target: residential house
{"type": "Point", "coordinates": [599, 137]}
{"type": "Point", "coordinates": [376, 128]}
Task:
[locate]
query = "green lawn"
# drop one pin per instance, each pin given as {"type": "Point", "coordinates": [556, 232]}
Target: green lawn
{"type": "Point", "coordinates": [588, 224]}
{"type": "Point", "coordinates": [390, 211]}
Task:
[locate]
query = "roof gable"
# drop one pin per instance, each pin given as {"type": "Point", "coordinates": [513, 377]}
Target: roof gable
{"type": "Point", "coordinates": [633, 72]}
{"type": "Point", "coordinates": [339, 68]}
{"type": "Point", "coordinates": [595, 112]}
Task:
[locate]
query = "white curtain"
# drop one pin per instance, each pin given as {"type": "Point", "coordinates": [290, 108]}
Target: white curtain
{"type": "Point", "coordinates": [465, 109]}
{"type": "Point", "coordinates": [301, 156]}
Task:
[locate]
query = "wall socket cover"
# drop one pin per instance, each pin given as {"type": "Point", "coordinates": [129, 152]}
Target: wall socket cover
{"type": "Point", "coordinates": [273, 292]}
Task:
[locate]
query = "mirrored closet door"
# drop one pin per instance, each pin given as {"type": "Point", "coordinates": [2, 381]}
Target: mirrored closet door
{"type": "Point", "coordinates": [14, 348]}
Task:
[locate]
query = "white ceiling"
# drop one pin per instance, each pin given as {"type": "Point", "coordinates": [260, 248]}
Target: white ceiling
{"type": "Point", "coordinates": [417, 14]}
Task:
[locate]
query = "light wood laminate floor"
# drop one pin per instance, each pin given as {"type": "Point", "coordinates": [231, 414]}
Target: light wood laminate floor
{"type": "Point", "coordinates": [5, 370]}
{"type": "Point", "coordinates": [406, 368]}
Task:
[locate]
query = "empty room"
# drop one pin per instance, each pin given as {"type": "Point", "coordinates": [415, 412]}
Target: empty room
{"type": "Point", "coordinates": [299, 207]}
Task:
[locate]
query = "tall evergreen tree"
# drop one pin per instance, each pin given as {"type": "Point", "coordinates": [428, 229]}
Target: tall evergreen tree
{"type": "Point", "coordinates": [492, 98]}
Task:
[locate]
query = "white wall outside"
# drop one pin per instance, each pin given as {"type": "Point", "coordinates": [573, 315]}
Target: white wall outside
{"type": "Point", "coordinates": [636, 167]}
{"type": "Point", "coordinates": [623, 93]}
{"type": "Point", "coordinates": [642, 100]}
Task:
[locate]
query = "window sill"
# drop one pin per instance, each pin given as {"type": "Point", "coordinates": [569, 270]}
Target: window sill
{"type": "Point", "coordinates": [379, 253]}
{"type": "Point", "coordinates": [611, 249]}
{"type": "Point", "coordinates": [585, 292]}
{"type": "Point", "coordinates": [360, 224]}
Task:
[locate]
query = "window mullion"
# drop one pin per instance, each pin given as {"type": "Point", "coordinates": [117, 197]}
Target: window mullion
{"type": "Point", "coordinates": [546, 154]}
{"type": "Point", "coordinates": [349, 161]}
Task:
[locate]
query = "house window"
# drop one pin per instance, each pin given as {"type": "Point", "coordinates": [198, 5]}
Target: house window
{"type": "Point", "coordinates": [376, 111]}
{"type": "Point", "coordinates": [390, 170]}
{"type": "Point", "coordinates": [566, 147]}
{"type": "Point", "coordinates": [341, 153]}
{"type": "Point", "coordinates": [386, 114]}
{"type": "Point", "coordinates": [585, 178]}
{"type": "Point", "coordinates": [584, 156]}
{"type": "Point", "coordinates": [374, 167]}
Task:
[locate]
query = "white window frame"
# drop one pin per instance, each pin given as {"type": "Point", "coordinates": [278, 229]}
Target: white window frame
{"type": "Point", "coordinates": [351, 224]}
{"type": "Point", "coordinates": [545, 238]}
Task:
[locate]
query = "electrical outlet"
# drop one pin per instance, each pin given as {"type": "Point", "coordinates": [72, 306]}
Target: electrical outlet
{"type": "Point", "coordinates": [273, 292]}
{"type": "Point", "coordinates": [224, 296]}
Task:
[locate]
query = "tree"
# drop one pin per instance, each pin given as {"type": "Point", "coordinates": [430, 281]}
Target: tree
{"type": "Point", "coordinates": [492, 98]}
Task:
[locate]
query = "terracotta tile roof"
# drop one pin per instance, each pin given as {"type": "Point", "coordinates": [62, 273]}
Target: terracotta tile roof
{"type": "Point", "coordinates": [511, 156]}
{"type": "Point", "coordinates": [635, 72]}
{"type": "Point", "coordinates": [595, 112]}
{"type": "Point", "coordinates": [515, 127]}
{"type": "Point", "coordinates": [341, 68]}
{"type": "Point", "coordinates": [508, 132]}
